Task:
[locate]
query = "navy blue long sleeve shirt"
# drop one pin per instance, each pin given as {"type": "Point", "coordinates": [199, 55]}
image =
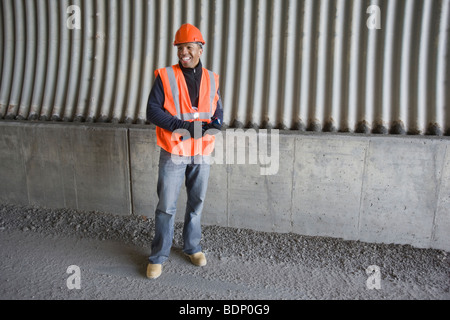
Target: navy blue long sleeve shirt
{"type": "Point", "coordinates": [155, 106]}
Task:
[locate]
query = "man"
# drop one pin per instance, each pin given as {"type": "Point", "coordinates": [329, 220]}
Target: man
{"type": "Point", "coordinates": [184, 104]}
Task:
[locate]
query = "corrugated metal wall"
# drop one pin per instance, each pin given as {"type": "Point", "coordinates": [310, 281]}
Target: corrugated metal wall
{"type": "Point", "coordinates": [290, 64]}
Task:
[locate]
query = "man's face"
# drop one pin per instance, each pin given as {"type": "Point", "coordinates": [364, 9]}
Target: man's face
{"type": "Point", "coordinates": [189, 54]}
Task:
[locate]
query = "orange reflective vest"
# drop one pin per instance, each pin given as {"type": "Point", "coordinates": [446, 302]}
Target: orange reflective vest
{"type": "Point", "coordinates": [178, 104]}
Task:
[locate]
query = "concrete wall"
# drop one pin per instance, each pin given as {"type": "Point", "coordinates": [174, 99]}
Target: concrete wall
{"type": "Point", "coordinates": [374, 188]}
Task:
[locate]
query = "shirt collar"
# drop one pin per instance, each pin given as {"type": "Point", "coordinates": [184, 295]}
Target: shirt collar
{"type": "Point", "coordinates": [197, 69]}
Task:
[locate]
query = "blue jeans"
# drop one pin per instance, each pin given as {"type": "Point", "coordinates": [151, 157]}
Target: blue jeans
{"type": "Point", "coordinates": [172, 171]}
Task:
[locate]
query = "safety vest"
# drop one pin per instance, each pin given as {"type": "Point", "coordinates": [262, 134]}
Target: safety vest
{"type": "Point", "coordinates": [178, 104]}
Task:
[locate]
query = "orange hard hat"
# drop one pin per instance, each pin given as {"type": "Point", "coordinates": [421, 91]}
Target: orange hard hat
{"type": "Point", "coordinates": [188, 33]}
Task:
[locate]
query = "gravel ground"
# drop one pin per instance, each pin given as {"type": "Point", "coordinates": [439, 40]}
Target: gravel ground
{"type": "Point", "coordinates": [38, 245]}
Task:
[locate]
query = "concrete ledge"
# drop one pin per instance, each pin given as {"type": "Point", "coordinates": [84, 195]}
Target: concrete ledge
{"type": "Point", "coordinates": [328, 179]}
{"type": "Point", "coordinates": [400, 195]}
{"type": "Point", "coordinates": [57, 165]}
{"type": "Point", "coordinates": [388, 189]}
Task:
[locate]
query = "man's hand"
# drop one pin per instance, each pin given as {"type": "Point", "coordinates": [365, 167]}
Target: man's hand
{"type": "Point", "coordinates": [195, 129]}
{"type": "Point", "coordinates": [198, 129]}
{"type": "Point", "coordinates": [214, 124]}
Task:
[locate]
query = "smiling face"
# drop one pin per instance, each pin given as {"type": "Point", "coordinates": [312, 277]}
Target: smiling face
{"type": "Point", "coordinates": [189, 54]}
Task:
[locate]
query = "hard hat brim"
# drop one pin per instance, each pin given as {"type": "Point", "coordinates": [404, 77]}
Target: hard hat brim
{"type": "Point", "coordinates": [178, 43]}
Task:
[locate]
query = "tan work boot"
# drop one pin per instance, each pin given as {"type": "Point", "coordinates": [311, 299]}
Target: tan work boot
{"type": "Point", "coordinates": [198, 259]}
{"type": "Point", "coordinates": [154, 270]}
